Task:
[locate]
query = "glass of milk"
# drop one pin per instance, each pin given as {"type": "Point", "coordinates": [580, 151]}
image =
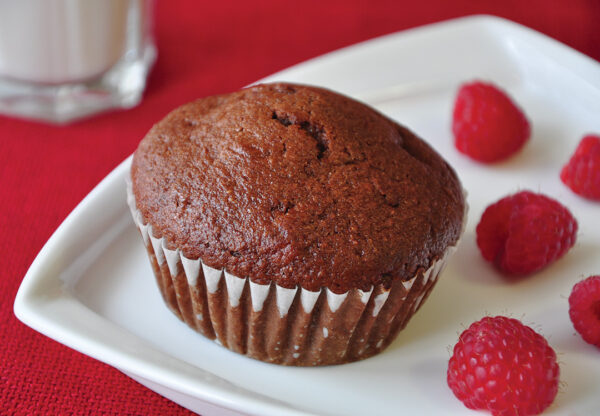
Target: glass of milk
{"type": "Point", "coordinates": [61, 60]}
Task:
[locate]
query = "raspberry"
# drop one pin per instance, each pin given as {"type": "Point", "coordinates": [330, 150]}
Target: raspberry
{"type": "Point", "coordinates": [522, 233]}
{"type": "Point", "coordinates": [486, 123]}
{"type": "Point", "coordinates": [503, 366]}
{"type": "Point", "coordinates": [584, 309]}
{"type": "Point", "coordinates": [582, 172]}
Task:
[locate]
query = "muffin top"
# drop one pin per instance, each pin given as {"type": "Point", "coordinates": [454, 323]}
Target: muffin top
{"type": "Point", "coordinates": [297, 185]}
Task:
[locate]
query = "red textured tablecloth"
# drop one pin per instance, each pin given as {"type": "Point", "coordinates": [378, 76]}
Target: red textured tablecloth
{"type": "Point", "coordinates": [204, 48]}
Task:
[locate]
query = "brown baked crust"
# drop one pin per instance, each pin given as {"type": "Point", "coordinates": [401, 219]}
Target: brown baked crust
{"type": "Point", "coordinates": [297, 185]}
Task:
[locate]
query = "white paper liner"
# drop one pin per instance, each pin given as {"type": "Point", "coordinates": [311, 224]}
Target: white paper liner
{"type": "Point", "coordinates": [195, 291]}
{"type": "Point", "coordinates": [258, 292]}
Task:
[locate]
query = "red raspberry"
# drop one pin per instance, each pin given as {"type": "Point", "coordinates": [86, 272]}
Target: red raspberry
{"type": "Point", "coordinates": [522, 233]}
{"type": "Point", "coordinates": [505, 367]}
{"type": "Point", "coordinates": [582, 173]}
{"type": "Point", "coordinates": [584, 309]}
{"type": "Point", "coordinates": [486, 123]}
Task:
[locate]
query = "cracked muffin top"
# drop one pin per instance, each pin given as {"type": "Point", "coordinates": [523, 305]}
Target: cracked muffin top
{"type": "Point", "coordinates": [297, 185]}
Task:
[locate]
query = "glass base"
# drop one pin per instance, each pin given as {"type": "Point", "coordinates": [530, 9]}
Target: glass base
{"type": "Point", "coordinates": [120, 87]}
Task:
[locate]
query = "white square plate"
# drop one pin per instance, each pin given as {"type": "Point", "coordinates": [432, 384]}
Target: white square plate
{"type": "Point", "coordinates": [91, 287]}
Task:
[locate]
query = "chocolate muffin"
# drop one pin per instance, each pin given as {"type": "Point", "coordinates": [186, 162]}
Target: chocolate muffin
{"type": "Point", "coordinates": [292, 224]}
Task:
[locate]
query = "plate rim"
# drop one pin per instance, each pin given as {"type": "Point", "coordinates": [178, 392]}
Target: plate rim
{"type": "Point", "coordinates": [579, 63]}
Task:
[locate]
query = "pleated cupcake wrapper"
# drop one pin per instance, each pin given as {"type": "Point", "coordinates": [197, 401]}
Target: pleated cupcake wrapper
{"type": "Point", "coordinates": [280, 325]}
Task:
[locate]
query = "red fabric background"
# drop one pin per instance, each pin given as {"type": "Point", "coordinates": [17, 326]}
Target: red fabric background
{"type": "Point", "coordinates": [204, 48]}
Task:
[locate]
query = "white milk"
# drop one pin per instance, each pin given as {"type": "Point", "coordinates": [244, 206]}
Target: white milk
{"type": "Point", "coordinates": [61, 41]}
